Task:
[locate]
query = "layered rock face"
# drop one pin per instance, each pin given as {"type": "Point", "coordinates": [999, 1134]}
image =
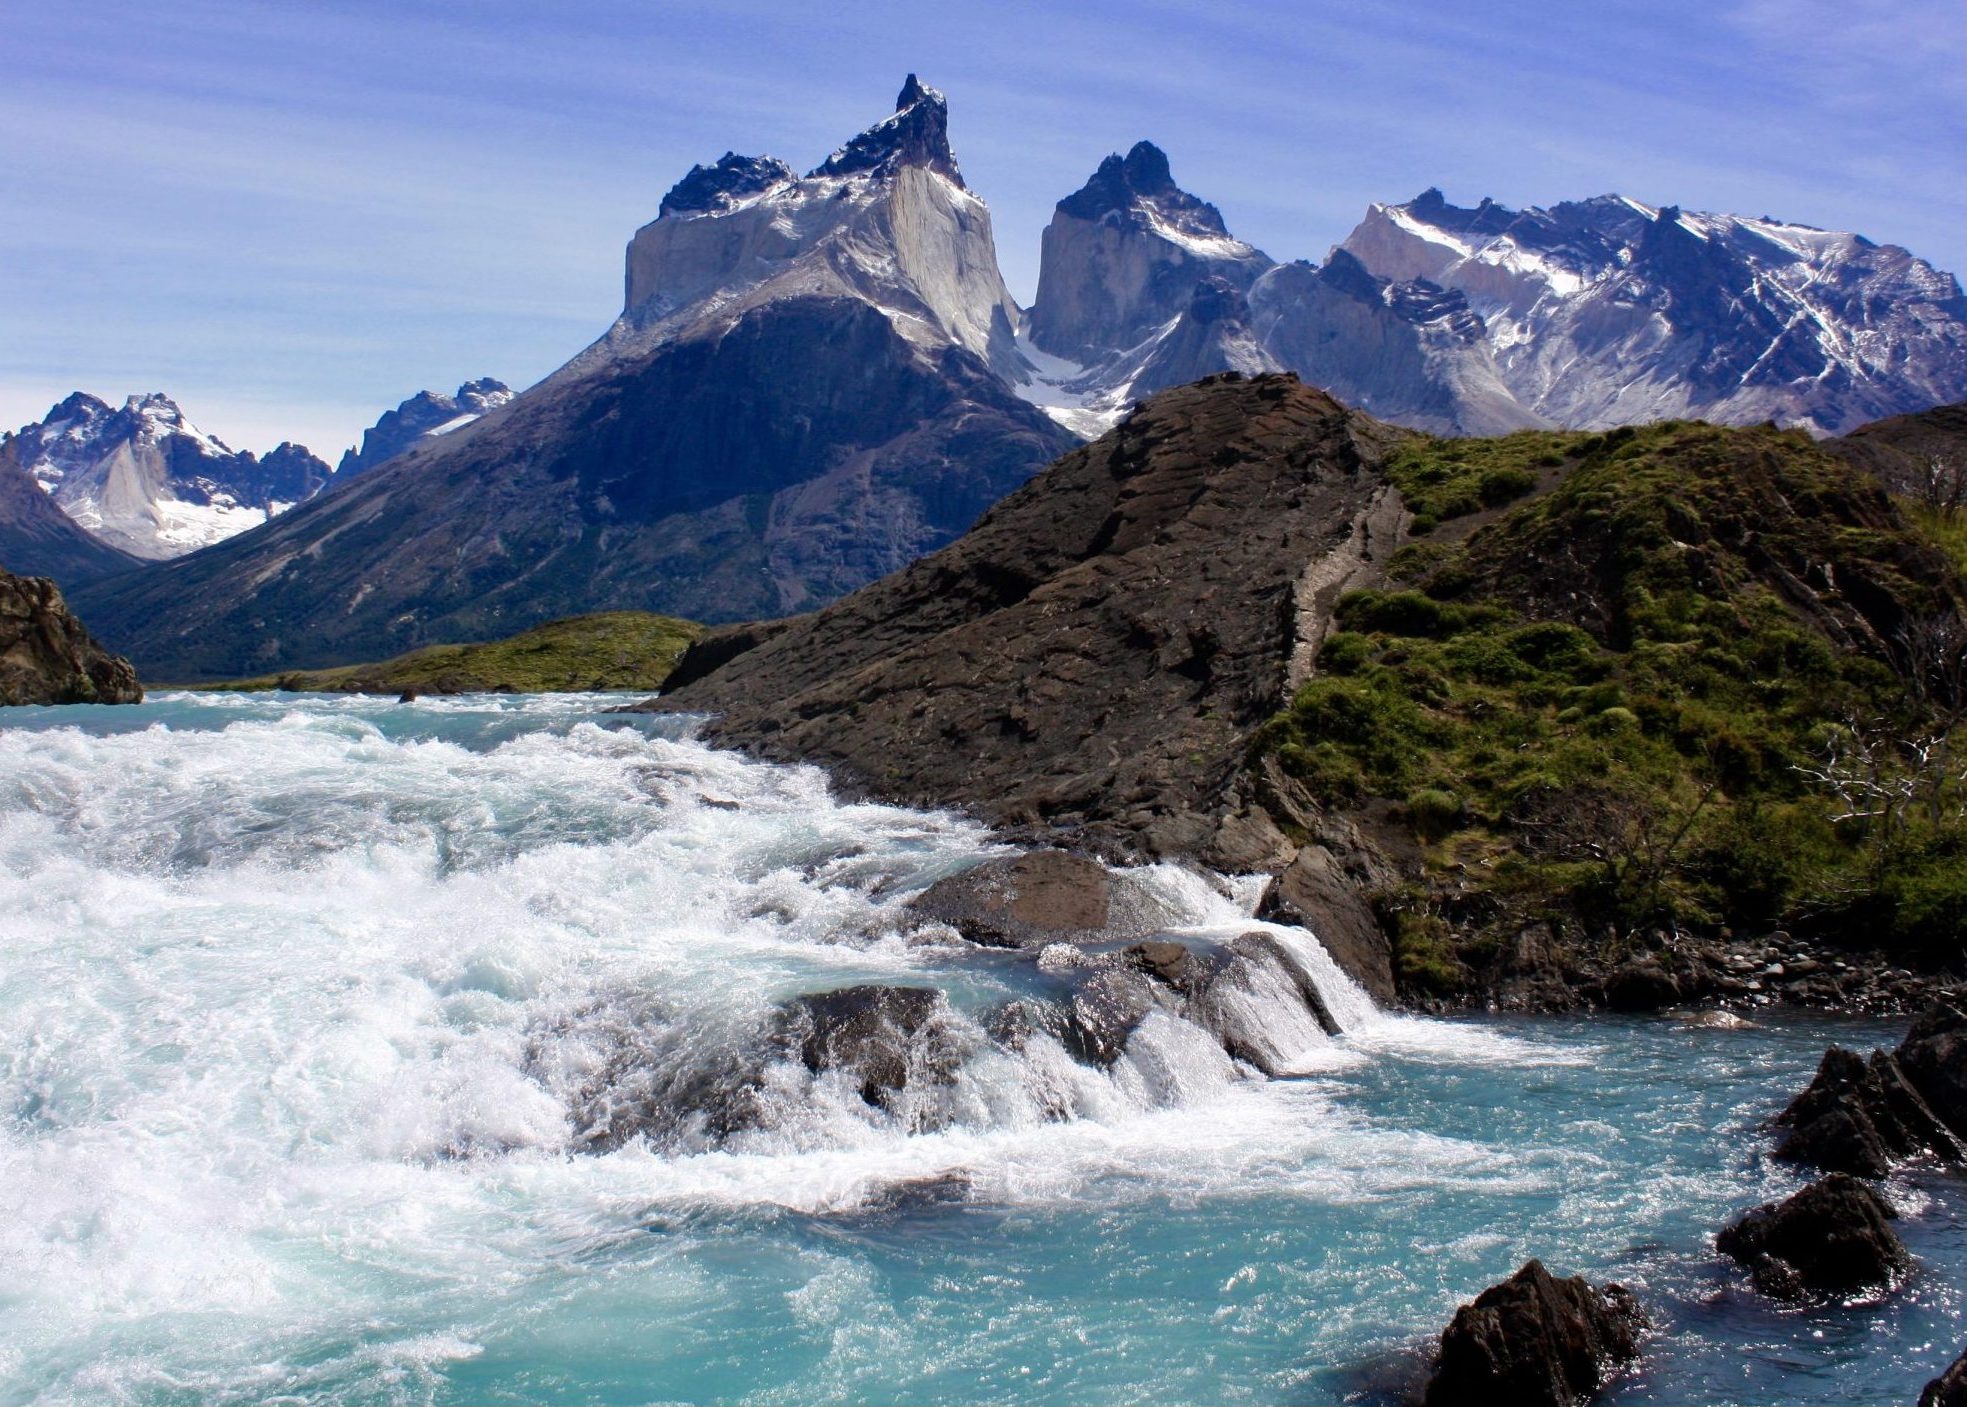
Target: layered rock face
{"type": "Point", "coordinates": [423, 416]}
{"type": "Point", "coordinates": [798, 398]}
{"type": "Point", "coordinates": [1123, 255]}
{"type": "Point", "coordinates": [144, 480]}
{"type": "Point", "coordinates": [47, 657]}
{"type": "Point", "coordinates": [1608, 312]}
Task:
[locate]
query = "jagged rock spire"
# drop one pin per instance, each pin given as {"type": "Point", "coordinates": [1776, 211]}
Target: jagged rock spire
{"type": "Point", "coordinates": [916, 135]}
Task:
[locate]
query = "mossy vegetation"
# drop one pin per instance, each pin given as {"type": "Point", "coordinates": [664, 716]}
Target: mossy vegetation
{"type": "Point", "coordinates": [1710, 679]}
{"type": "Point", "coordinates": [609, 650]}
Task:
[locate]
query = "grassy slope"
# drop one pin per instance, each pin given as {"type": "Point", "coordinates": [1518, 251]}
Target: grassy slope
{"type": "Point", "coordinates": [1600, 709]}
{"type": "Point", "coordinates": [611, 650]}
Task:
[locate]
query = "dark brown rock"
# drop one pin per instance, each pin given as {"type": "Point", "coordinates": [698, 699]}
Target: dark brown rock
{"type": "Point", "coordinates": [1833, 1237]}
{"type": "Point", "coordinates": [1949, 1389]}
{"type": "Point", "coordinates": [1863, 1117]}
{"type": "Point", "coordinates": [884, 1036]}
{"type": "Point", "coordinates": [1022, 900]}
{"type": "Point", "coordinates": [1233, 1004]}
{"type": "Point", "coordinates": [47, 657]}
{"type": "Point", "coordinates": [1535, 1341]}
{"type": "Point", "coordinates": [1315, 892]}
{"type": "Point", "coordinates": [1934, 1058]}
{"type": "Point", "coordinates": [1641, 985]}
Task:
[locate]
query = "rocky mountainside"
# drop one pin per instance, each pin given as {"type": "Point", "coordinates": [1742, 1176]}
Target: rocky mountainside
{"type": "Point", "coordinates": [46, 657]}
{"type": "Point", "coordinates": [146, 481]}
{"type": "Point", "coordinates": [800, 396]}
{"type": "Point", "coordinates": [38, 539]}
{"type": "Point", "coordinates": [423, 416]}
{"type": "Point", "coordinates": [1608, 312]}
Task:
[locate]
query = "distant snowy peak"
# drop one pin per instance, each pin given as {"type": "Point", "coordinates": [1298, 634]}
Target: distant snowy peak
{"type": "Point", "coordinates": [1608, 311]}
{"type": "Point", "coordinates": [886, 221]}
{"type": "Point", "coordinates": [422, 417]}
{"type": "Point", "coordinates": [1123, 255]}
{"type": "Point", "coordinates": [145, 479]}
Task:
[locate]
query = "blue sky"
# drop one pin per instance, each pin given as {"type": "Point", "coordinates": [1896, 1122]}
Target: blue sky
{"type": "Point", "coordinates": [292, 215]}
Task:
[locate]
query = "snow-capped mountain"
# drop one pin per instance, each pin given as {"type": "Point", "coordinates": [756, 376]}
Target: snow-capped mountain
{"type": "Point", "coordinates": [1141, 287]}
{"type": "Point", "coordinates": [809, 386]}
{"type": "Point", "coordinates": [426, 414]}
{"type": "Point", "coordinates": [147, 481]}
{"type": "Point", "coordinates": [1607, 311]}
{"type": "Point", "coordinates": [816, 379]}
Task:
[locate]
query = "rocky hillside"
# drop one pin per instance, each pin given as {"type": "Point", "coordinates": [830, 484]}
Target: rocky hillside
{"type": "Point", "coordinates": [1663, 682]}
{"type": "Point", "coordinates": [47, 657]}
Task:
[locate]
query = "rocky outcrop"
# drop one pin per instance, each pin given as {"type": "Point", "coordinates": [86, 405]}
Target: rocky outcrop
{"type": "Point", "coordinates": [1833, 1237]}
{"type": "Point", "coordinates": [1949, 1389]}
{"type": "Point", "coordinates": [1863, 1117]}
{"type": "Point", "coordinates": [1536, 1341]}
{"type": "Point", "coordinates": [1090, 662]}
{"type": "Point", "coordinates": [1934, 1058]}
{"type": "Point", "coordinates": [46, 657]}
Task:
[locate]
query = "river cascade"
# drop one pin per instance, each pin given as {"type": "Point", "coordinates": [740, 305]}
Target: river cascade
{"type": "Point", "coordinates": [482, 1050]}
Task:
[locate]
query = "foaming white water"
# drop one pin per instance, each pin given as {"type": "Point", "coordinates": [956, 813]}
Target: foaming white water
{"type": "Point", "coordinates": [302, 1007]}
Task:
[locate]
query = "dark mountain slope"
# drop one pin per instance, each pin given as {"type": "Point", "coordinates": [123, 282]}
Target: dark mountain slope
{"type": "Point", "coordinates": [742, 472]}
{"type": "Point", "coordinates": [38, 539]}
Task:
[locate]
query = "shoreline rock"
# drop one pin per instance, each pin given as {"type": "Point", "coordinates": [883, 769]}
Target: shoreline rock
{"type": "Point", "coordinates": [47, 656]}
{"type": "Point", "coordinates": [1536, 1341]}
{"type": "Point", "coordinates": [1834, 1237]}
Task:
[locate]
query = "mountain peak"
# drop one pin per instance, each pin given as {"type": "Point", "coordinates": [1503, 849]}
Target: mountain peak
{"type": "Point", "coordinates": [1142, 181]}
{"type": "Point", "coordinates": [917, 134]}
{"type": "Point", "coordinates": [712, 190]}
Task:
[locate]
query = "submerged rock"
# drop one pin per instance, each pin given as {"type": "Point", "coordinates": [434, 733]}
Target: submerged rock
{"type": "Point", "coordinates": [1863, 1117]}
{"type": "Point", "coordinates": [885, 1037]}
{"type": "Point", "coordinates": [1535, 1341]}
{"type": "Point", "coordinates": [1833, 1237]}
{"type": "Point", "coordinates": [1022, 901]}
{"type": "Point", "coordinates": [47, 657]}
{"type": "Point", "coordinates": [1949, 1389]}
{"type": "Point", "coordinates": [1264, 1005]}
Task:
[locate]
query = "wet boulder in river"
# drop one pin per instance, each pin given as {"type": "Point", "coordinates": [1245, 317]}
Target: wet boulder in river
{"type": "Point", "coordinates": [1833, 1237]}
{"type": "Point", "coordinates": [887, 1038]}
{"type": "Point", "coordinates": [1022, 901]}
{"type": "Point", "coordinates": [1535, 1341]}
